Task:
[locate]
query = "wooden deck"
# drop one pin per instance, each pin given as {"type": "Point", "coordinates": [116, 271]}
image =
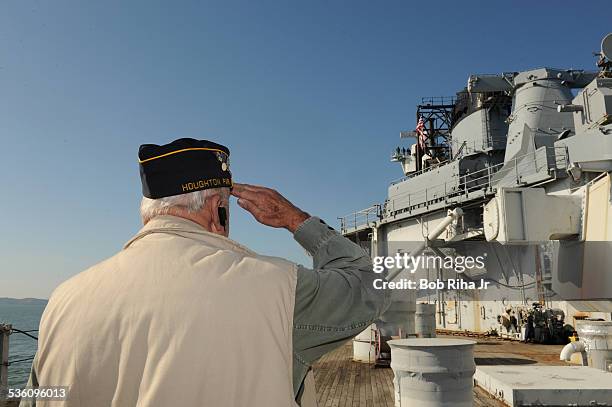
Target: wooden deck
{"type": "Point", "coordinates": [340, 382]}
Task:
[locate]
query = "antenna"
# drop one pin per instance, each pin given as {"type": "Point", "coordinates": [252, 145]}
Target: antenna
{"type": "Point", "coordinates": [606, 47]}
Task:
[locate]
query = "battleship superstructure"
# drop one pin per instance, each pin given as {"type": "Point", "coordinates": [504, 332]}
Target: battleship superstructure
{"type": "Point", "coordinates": [516, 167]}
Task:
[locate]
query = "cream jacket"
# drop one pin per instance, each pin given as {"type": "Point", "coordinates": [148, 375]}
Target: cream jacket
{"type": "Point", "coordinates": [185, 317]}
{"type": "Point", "coordinates": [179, 317]}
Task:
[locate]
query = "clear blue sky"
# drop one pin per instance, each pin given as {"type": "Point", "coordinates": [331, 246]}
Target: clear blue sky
{"type": "Point", "coordinates": [310, 96]}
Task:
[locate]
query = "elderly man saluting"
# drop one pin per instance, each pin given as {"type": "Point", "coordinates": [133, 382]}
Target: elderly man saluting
{"type": "Point", "coordinates": [185, 316]}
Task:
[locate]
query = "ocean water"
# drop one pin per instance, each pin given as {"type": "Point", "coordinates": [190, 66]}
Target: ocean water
{"type": "Point", "coordinates": [24, 315]}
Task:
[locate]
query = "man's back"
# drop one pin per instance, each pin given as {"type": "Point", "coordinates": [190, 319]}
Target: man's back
{"type": "Point", "coordinates": [179, 316]}
{"type": "Point", "coordinates": [185, 316]}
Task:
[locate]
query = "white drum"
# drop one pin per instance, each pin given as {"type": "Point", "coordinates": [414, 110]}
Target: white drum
{"type": "Point", "coordinates": [433, 372]}
{"type": "Point", "coordinates": [425, 320]}
{"type": "Point", "coordinates": [597, 338]}
{"type": "Point", "coordinates": [364, 345]}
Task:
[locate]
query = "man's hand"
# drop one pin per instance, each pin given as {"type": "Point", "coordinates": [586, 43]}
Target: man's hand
{"type": "Point", "coordinates": [269, 207]}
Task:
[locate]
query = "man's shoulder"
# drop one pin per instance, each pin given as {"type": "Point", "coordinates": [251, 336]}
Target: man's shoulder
{"type": "Point", "coordinates": [73, 284]}
{"type": "Point", "coordinates": [242, 252]}
{"type": "Point", "coordinates": [273, 260]}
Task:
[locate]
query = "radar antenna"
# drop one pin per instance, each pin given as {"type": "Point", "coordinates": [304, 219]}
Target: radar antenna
{"type": "Point", "coordinates": [605, 57]}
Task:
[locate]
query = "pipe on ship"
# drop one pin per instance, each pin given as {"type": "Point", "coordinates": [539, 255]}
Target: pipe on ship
{"type": "Point", "coordinates": [452, 215]}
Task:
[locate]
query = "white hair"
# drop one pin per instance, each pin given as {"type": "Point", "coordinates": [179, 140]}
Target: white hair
{"type": "Point", "coordinates": [191, 202]}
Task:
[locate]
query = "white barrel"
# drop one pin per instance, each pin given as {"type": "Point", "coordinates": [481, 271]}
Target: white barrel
{"type": "Point", "coordinates": [364, 345]}
{"type": "Point", "coordinates": [398, 319]}
{"type": "Point", "coordinates": [433, 372]}
{"type": "Point", "coordinates": [425, 320]}
{"type": "Point", "coordinates": [597, 338]}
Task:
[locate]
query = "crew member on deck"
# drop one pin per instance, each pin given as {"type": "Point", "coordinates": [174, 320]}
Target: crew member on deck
{"type": "Point", "coordinates": [183, 315]}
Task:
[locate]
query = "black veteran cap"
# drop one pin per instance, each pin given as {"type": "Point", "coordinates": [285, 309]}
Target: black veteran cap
{"type": "Point", "coordinates": [183, 166]}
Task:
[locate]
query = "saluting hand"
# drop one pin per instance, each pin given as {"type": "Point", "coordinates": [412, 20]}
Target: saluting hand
{"type": "Point", "coordinates": [269, 207]}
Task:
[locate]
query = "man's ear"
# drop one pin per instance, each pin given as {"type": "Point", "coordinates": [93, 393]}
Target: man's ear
{"type": "Point", "coordinates": [213, 206]}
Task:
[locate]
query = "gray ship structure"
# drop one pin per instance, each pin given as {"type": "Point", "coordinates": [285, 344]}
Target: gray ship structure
{"type": "Point", "coordinates": [515, 167]}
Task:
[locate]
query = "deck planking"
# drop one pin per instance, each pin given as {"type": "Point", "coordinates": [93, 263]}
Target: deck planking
{"type": "Point", "coordinates": [341, 382]}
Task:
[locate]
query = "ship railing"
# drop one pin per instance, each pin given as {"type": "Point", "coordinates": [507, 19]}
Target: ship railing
{"type": "Point", "coordinates": [462, 188]}
{"type": "Point", "coordinates": [359, 219]}
{"type": "Point", "coordinates": [438, 100]}
{"type": "Point", "coordinates": [416, 173]}
{"type": "Point", "coordinates": [486, 181]}
{"type": "Point", "coordinates": [468, 148]}
{"type": "Point", "coordinates": [5, 331]}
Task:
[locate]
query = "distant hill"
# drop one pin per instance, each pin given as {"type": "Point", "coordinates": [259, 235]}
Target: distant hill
{"type": "Point", "coordinates": [21, 301]}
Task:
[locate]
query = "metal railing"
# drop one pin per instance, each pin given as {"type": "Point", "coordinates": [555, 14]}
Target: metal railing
{"type": "Point", "coordinates": [467, 149]}
{"type": "Point", "coordinates": [463, 187]}
{"type": "Point", "coordinates": [506, 174]}
{"type": "Point", "coordinates": [5, 331]}
{"type": "Point", "coordinates": [416, 173]}
{"type": "Point", "coordinates": [438, 100]}
{"type": "Point", "coordinates": [364, 217]}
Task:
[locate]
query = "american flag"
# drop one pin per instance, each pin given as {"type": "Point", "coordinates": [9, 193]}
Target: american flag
{"type": "Point", "coordinates": [422, 133]}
